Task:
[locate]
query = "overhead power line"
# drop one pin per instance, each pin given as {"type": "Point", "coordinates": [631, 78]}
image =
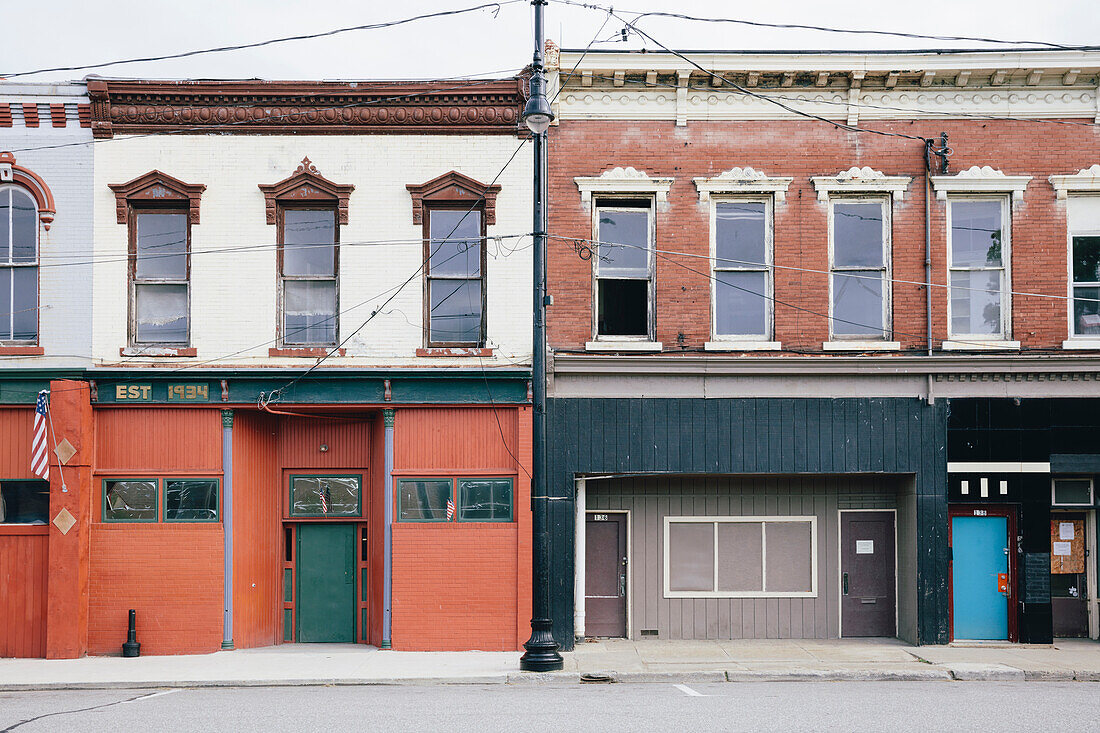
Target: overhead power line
{"type": "Point", "coordinates": [496, 6]}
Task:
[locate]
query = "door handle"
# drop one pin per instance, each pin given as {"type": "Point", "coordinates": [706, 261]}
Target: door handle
{"type": "Point", "coordinates": [845, 583]}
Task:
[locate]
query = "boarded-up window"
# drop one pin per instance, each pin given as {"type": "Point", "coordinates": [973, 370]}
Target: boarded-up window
{"type": "Point", "coordinates": [740, 557]}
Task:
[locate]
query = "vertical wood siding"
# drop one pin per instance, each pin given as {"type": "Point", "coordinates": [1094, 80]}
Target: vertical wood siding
{"type": "Point", "coordinates": [23, 561]}
{"type": "Point", "coordinates": [300, 439]}
{"type": "Point", "coordinates": [15, 442]}
{"type": "Point", "coordinates": [743, 436]}
{"type": "Point", "coordinates": [158, 439]}
{"type": "Point", "coordinates": [444, 438]}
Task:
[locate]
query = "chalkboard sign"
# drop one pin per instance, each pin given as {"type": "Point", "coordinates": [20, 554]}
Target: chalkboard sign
{"type": "Point", "coordinates": [1037, 577]}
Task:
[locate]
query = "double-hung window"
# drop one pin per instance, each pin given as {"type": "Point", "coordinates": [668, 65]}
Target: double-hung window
{"type": "Point", "coordinates": [160, 264]}
{"type": "Point", "coordinates": [308, 262]}
{"type": "Point", "coordinates": [624, 269]}
{"type": "Point", "coordinates": [978, 255]}
{"type": "Point", "coordinates": [742, 269]}
{"type": "Point", "coordinates": [455, 257]}
{"type": "Point", "coordinates": [859, 280]}
{"type": "Point", "coordinates": [18, 266]}
{"type": "Point", "coordinates": [1084, 242]}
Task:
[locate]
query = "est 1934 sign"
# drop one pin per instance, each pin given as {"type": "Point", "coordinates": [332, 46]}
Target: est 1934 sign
{"type": "Point", "coordinates": [147, 392]}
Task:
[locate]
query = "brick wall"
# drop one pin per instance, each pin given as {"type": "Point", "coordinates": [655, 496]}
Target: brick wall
{"type": "Point", "coordinates": [802, 149]}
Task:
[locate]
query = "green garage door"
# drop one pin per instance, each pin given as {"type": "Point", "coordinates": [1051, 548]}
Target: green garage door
{"type": "Point", "coordinates": [326, 582]}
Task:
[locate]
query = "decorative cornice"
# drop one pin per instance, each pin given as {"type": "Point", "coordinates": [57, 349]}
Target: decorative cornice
{"type": "Point", "coordinates": [156, 186]}
{"type": "Point", "coordinates": [860, 180]}
{"type": "Point", "coordinates": [453, 187]}
{"type": "Point", "coordinates": [1087, 180]}
{"type": "Point", "coordinates": [227, 418]}
{"type": "Point", "coordinates": [983, 179]}
{"type": "Point", "coordinates": [387, 417]}
{"type": "Point", "coordinates": [307, 184]}
{"type": "Point", "coordinates": [251, 107]}
{"type": "Point", "coordinates": [745, 180]}
{"type": "Point", "coordinates": [33, 183]}
{"type": "Point", "coordinates": [623, 180]}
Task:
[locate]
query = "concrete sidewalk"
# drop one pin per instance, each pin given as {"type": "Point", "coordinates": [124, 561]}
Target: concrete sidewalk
{"type": "Point", "coordinates": [605, 660]}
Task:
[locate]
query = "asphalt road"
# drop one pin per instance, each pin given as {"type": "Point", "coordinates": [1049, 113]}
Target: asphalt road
{"type": "Point", "coordinates": [693, 708]}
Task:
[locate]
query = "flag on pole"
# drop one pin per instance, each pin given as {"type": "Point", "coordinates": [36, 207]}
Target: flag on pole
{"type": "Point", "coordinates": [324, 500]}
{"type": "Point", "coordinates": [40, 455]}
{"type": "Point", "coordinates": [450, 509]}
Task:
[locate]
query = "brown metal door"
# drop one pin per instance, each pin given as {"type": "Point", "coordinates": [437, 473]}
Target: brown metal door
{"type": "Point", "coordinates": [605, 575]}
{"type": "Point", "coordinates": [868, 587]}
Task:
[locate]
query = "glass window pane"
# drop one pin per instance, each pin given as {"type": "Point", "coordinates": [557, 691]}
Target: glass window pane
{"type": "Point", "coordinates": [24, 226]}
{"type": "Point", "coordinates": [310, 311]}
{"type": "Point", "coordinates": [25, 304]}
{"type": "Point", "coordinates": [130, 499]}
{"type": "Point", "coordinates": [24, 502]}
{"type": "Point", "coordinates": [308, 238]}
{"type": "Point", "coordinates": [455, 243]}
{"type": "Point", "coordinates": [161, 313]}
{"type": "Point", "coordinates": [739, 236]}
{"type": "Point", "coordinates": [1072, 491]}
{"type": "Point", "coordinates": [857, 304]}
{"type": "Point", "coordinates": [424, 499]}
{"type": "Point", "coordinates": [6, 276]}
{"type": "Point", "coordinates": [630, 229]}
{"type": "Point", "coordinates": [740, 303]}
{"type": "Point", "coordinates": [191, 499]}
{"type": "Point", "coordinates": [1086, 259]}
{"type": "Point", "coordinates": [691, 556]}
{"type": "Point", "coordinates": [857, 235]}
{"type": "Point", "coordinates": [325, 496]}
{"type": "Point", "coordinates": [161, 246]}
{"type": "Point", "coordinates": [976, 233]}
{"type": "Point", "coordinates": [485, 500]}
{"type": "Point", "coordinates": [976, 303]}
{"type": "Point", "coordinates": [5, 224]}
{"type": "Point", "coordinates": [455, 311]}
{"type": "Point", "coordinates": [622, 308]}
{"type": "Point", "coordinates": [1086, 311]}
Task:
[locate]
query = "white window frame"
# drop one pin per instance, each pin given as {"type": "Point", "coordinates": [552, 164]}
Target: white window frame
{"type": "Point", "coordinates": [1092, 490]}
{"type": "Point", "coordinates": [1003, 337]}
{"type": "Point", "coordinates": [645, 342]}
{"type": "Point", "coordinates": [8, 266]}
{"type": "Point", "coordinates": [134, 282]}
{"type": "Point", "coordinates": [750, 341]}
{"type": "Point", "coordinates": [1076, 340]}
{"type": "Point", "coordinates": [763, 520]}
{"type": "Point", "coordinates": [862, 340]}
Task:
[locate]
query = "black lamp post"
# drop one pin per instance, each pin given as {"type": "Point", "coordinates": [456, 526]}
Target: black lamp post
{"type": "Point", "coordinates": [542, 651]}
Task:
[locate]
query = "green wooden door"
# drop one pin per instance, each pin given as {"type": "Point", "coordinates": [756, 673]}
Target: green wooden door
{"type": "Point", "coordinates": [326, 582]}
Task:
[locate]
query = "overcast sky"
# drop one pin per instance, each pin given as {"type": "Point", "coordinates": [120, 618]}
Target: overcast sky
{"type": "Point", "coordinates": [50, 33]}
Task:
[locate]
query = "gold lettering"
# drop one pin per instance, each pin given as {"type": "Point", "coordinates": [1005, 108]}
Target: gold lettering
{"type": "Point", "coordinates": [133, 392]}
{"type": "Point", "coordinates": [146, 391]}
{"type": "Point", "coordinates": [120, 391]}
{"type": "Point", "coordinates": [204, 391]}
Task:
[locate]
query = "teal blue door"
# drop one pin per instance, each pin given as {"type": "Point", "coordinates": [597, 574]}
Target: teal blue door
{"type": "Point", "coordinates": [979, 551]}
{"type": "Point", "coordinates": [326, 582]}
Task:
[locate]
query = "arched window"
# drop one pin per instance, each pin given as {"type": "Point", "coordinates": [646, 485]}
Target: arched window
{"type": "Point", "coordinates": [19, 220]}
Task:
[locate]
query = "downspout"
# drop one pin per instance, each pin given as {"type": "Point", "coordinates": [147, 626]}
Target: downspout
{"type": "Point", "coordinates": [227, 524]}
{"type": "Point", "coordinates": [387, 523]}
{"type": "Point", "coordinates": [928, 242]}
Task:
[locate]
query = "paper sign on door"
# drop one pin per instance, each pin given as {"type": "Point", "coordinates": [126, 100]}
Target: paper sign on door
{"type": "Point", "coordinates": [1062, 548]}
{"type": "Point", "coordinates": [1065, 530]}
{"type": "Point", "coordinates": [865, 547]}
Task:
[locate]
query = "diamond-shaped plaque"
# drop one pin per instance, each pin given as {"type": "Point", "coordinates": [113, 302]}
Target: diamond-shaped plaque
{"type": "Point", "coordinates": [64, 451]}
{"type": "Point", "coordinates": [64, 521]}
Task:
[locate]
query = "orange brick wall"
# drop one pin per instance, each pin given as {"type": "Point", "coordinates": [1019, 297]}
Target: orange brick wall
{"type": "Point", "coordinates": [171, 574]}
{"type": "Point", "coordinates": [802, 149]}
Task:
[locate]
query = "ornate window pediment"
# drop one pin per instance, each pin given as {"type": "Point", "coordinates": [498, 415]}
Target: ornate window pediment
{"type": "Point", "coordinates": [860, 180]}
{"type": "Point", "coordinates": [980, 179]}
{"type": "Point", "coordinates": [745, 180]}
{"type": "Point", "coordinates": [453, 187]}
{"type": "Point", "coordinates": [624, 181]}
{"type": "Point", "coordinates": [1086, 180]}
{"type": "Point", "coordinates": [156, 187]}
{"type": "Point", "coordinates": [35, 186]}
{"type": "Point", "coordinates": [307, 185]}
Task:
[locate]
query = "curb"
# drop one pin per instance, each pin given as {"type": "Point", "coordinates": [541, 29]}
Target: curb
{"type": "Point", "coordinates": [840, 675]}
{"type": "Point", "coordinates": [973, 672]}
{"type": "Point", "coordinates": [308, 682]}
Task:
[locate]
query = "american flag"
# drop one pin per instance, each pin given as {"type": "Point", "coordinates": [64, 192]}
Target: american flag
{"type": "Point", "coordinates": [40, 455]}
{"type": "Point", "coordinates": [450, 509]}
{"type": "Point", "coordinates": [324, 500]}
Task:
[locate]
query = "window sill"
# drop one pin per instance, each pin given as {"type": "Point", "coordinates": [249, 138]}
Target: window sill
{"type": "Point", "coordinates": [1082, 344]}
{"type": "Point", "coordinates": [977, 345]}
{"type": "Point", "coordinates": [861, 346]}
{"type": "Point", "coordinates": [305, 351]}
{"type": "Point", "coordinates": [613, 346]}
{"type": "Point", "coordinates": [454, 351]}
{"type": "Point", "coordinates": [742, 346]}
{"type": "Point", "coordinates": [158, 351]}
{"type": "Point", "coordinates": [22, 350]}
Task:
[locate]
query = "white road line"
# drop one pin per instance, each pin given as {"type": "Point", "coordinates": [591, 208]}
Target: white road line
{"type": "Point", "coordinates": [689, 692]}
{"type": "Point", "coordinates": [146, 697]}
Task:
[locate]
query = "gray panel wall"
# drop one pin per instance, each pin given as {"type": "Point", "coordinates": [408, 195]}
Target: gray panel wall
{"type": "Point", "coordinates": [738, 436]}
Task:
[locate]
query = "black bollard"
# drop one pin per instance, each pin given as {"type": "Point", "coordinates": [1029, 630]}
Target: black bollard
{"type": "Point", "coordinates": [131, 647]}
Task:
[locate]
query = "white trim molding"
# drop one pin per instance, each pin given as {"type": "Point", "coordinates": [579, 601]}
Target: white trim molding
{"type": "Point", "coordinates": [1086, 180]}
{"type": "Point", "coordinates": [997, 467]}
{"type": "Point", "coordinates": [983, 179]}
{"type": "Point", "coordinates": [745, 180]}
{"type": "Point", "coordinates": [1081, 344]}
{"type": "Point", "coordinates": [613, 346]}
{"type": "Point", "coordinates": [861, 346]}
{"type": "Point", "coordinates": [980, 345]}
{"type": "Point", "coordinates": [623, 180]}
{"type": "Point", "coordinates": [860, 180]}
{"type": "Point", "coordinates": [742, 345]}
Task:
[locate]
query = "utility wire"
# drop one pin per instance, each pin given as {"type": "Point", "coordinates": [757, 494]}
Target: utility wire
{"type": "Point", "coordinates": [496, 6]}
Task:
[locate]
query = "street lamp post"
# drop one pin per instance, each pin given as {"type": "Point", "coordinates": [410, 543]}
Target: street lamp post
{"type": "Point", "coordinates": [542, 651]}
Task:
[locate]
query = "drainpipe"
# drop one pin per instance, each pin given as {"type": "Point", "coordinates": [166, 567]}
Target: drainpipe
{"type": "Point", "coordinates": [387, 523]}
{"type": "Point", "coordinates": [928, 242]}
{"type": "Point", "coordinates": [227, 524]}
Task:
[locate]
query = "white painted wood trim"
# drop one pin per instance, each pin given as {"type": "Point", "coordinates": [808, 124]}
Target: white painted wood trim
{"type": "Point", "coordinates": [623, 181]}
{"type": "Point", "coordinates": [612, 346]}
{"type": "Point", "coordinates": [580, 534]}
{"type": "Point", "coordinates": [1081, 344]}
{"type": "Point", "coordinates": [861, 346]}
{"type": "Point", "coordinates": [979, 345]}
{"type": "Point", "coordinates": [982, 179]}
{"type": "Point", "coordinates": [742, 345]}
{"type": "Point", "coordinates": [743, 181]}
{"type": "Point", "coordinates": [860, 180]}
{"type": "Point", "coordinates": [1086, 180]}
{"type": "Point", "coordinates": [997, 467]}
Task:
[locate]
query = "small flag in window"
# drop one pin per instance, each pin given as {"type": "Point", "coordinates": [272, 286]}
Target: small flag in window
{"type": "Point", "coordinates": [40, 455]}
{"type": "Point", "coordinates": [324, 500]}
{"type": "Point", "coordinates": [450, 509]}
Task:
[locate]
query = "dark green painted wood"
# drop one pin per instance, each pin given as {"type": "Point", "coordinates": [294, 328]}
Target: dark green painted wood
{"type": "Point", "coordinates": [288, 625]}
{"type": "Point", "coordinates": [288, 585]}
{"type": "Point", "coordinates": [326, 582]}
{"type": "Point", "coordinates": [738, 436]}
